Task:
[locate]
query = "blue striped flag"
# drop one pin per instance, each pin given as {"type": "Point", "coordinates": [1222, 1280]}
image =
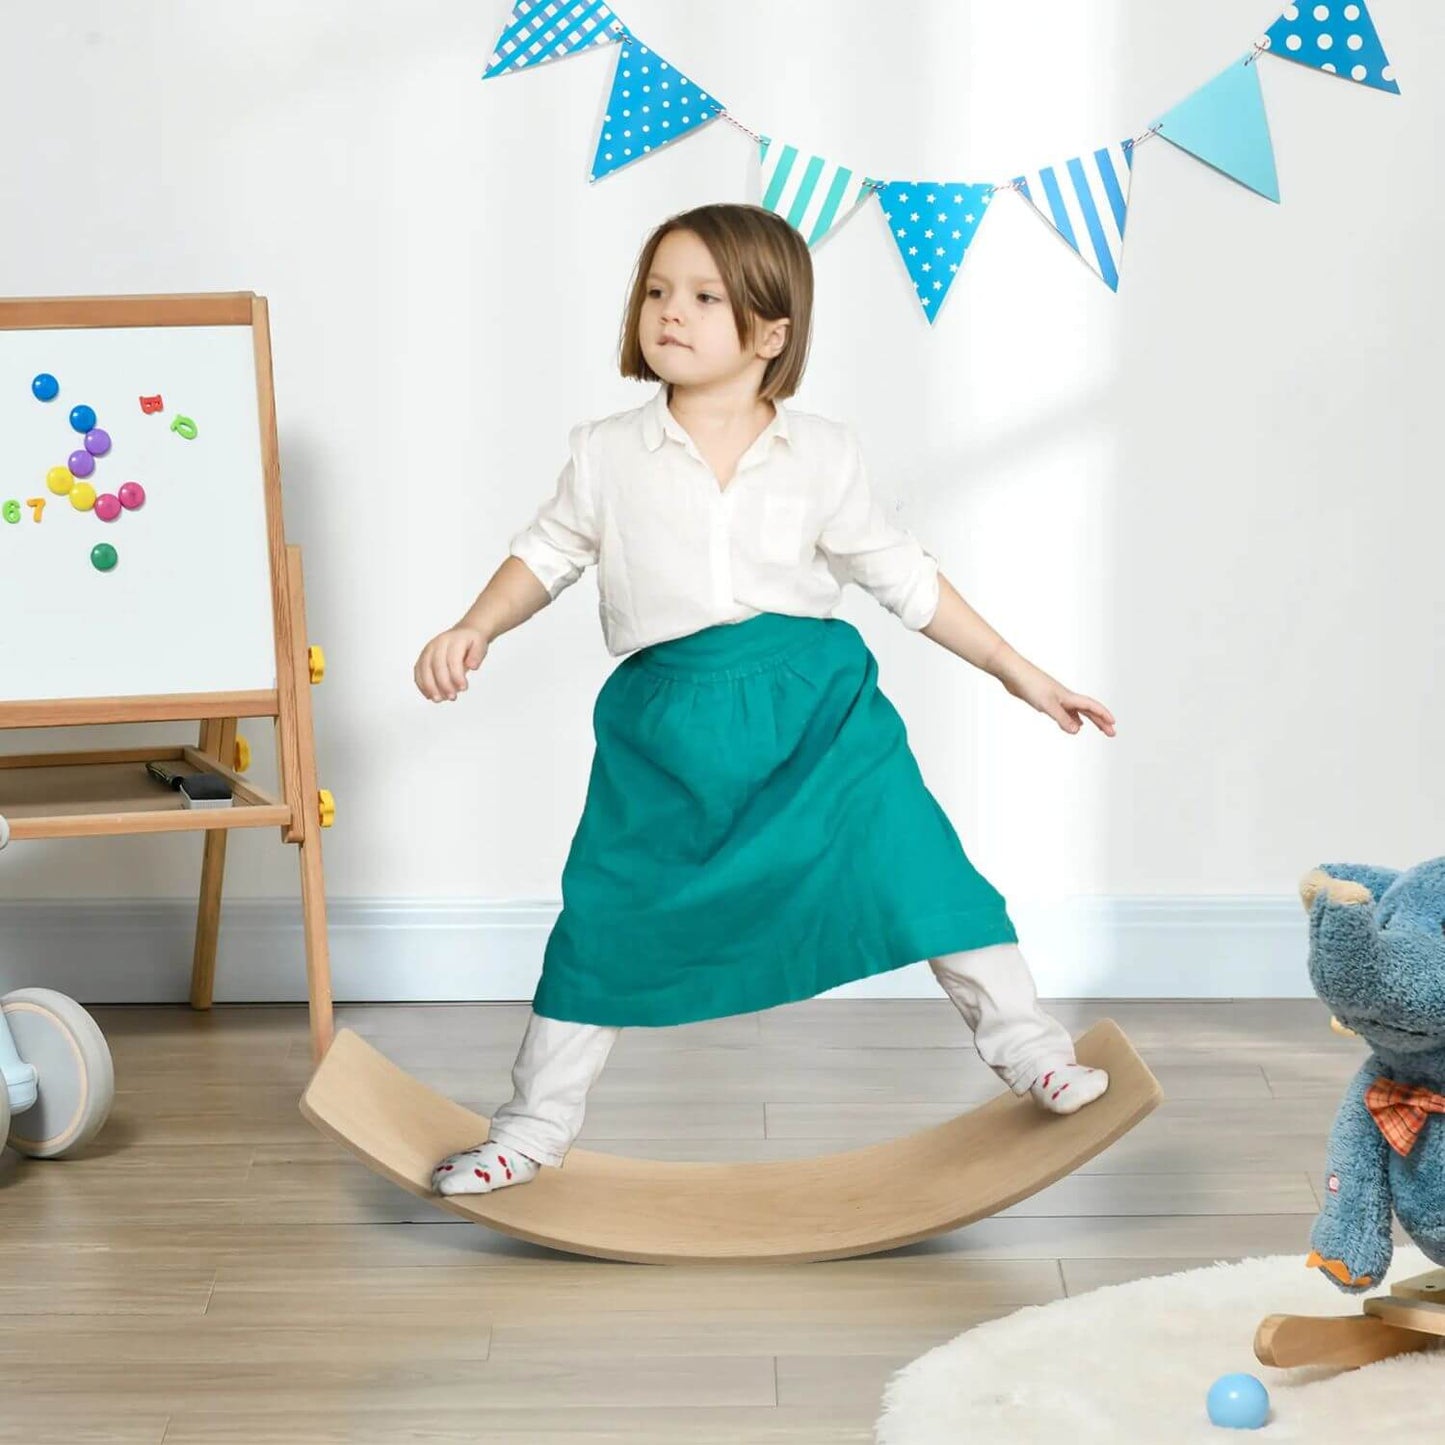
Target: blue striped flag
{"type": "Point", "coordinates": [541, 30]}
{"type": "Point", "coordinates": [811, 194]}
{"type": "Point", "coordinates": [1085, 201]}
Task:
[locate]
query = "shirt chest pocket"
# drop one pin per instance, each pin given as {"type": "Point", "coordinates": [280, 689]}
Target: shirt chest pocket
{"type": "Point", "coordinates": [781, 525]}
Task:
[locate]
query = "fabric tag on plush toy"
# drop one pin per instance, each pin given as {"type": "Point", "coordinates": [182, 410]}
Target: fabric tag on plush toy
{"type": "Point", "coordinates": [1334, 1184]}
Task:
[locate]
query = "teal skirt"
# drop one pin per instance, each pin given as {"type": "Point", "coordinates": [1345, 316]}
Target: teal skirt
{"type": "Point", "coordinates": [756, 831]}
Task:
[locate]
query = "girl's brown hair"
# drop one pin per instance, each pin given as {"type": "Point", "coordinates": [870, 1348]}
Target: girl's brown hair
{"type": "Point", "coordinates": [767, 271]}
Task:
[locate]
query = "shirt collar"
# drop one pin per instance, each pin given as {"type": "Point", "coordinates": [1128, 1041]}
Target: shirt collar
{"type": "Point", "coordinates": [658, 423]}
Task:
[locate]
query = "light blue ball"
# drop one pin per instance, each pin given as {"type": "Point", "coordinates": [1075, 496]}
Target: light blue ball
{"type": "Point", "coordinates": [1238, 1402]}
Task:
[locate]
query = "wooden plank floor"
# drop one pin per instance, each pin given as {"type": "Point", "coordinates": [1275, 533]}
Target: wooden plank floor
{"type": "Point", "coordinates": [211, 1270]}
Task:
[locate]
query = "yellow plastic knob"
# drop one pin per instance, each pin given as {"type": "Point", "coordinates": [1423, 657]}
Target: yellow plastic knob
{"type": "Point", "coordinates": [241, 758]}
{"type": "Point", "coordinates": [328, 808]}
{"type": "Point", "coordinates": [316, 660]}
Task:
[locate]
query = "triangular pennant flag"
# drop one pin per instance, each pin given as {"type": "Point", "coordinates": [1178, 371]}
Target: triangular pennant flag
{"type": "Point", "coordinates": [932, 223]}
{"type": "Point", "coordinates": [542, 30]}
{"type": "Point", "coordinates": [1223, 123]}
{"type": "Point", "coordinates": [811, 194]}
{"type": "Point", "coordinates": [1338, 38]}
{"type": "Point", "coordinates": [651, 104]}
{"type": "Point", "coordinates": [1085, 201]}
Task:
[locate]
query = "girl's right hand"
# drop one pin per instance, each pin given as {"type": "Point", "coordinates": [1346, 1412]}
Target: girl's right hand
{"type": "Point", "coordinates": [441, 670]}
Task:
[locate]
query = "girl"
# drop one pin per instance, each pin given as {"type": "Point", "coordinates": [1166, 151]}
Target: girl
{"type": "Point", "coordinates": [756, 829]}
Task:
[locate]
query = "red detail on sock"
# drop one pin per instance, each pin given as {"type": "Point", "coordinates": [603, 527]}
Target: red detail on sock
{"type": "Point", "coordinates": [486, 1178]}
{"type": "Point", "coordinates": [1057, 1092]}
{"type": "Point", "coordinates": [447, 1168]}
{"type": "Point", "coordinates": [1044, 1082]}
{"type": "Point", "coordinates": [502, 1160]}
{"type": "Point", "coordinates": [509, 1173]}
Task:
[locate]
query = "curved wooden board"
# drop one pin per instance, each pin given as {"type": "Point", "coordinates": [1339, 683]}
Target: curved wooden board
{"type": "Point", "coordinates": [648, 1211]}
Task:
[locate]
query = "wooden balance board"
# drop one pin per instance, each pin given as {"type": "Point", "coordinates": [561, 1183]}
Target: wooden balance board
{"type": "Point", "coordinates": [649, 1211]}
{"type": "Point", "coordinates": [1411, 1317]}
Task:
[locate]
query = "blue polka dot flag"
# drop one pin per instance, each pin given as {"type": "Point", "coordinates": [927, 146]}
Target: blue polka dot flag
{"type": "Point", "coordinates": [1085, 201]}
{"type": "Point", "coordinates": [1340, 39]}
{"type": "Point", "coordinates": [542, 30]}
{"type": "Point", "coordinates": [1224, 125]}
{"type": "Point", "coordinates": [932, 223]}
{"type": "Point", "coordinates": [651, 105]}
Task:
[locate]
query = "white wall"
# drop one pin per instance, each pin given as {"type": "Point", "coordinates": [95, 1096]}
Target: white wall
{"type": "Point", "coordinates": [1212, 501]}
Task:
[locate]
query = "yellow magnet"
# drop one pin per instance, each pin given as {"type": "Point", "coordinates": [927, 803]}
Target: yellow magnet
{"type": "Point", "coordinates": [82, 496]}
{"type": "Point", "coordinates": [60, 480]}
{"type": "Point", "coordinates": [328, 807]}
{"type": "Point", "coordinates": [316, 661]}
{"type": "Point", "coordinates": [241, 755]}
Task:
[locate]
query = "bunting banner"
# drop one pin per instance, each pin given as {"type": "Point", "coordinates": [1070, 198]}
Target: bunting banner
{"type": "Point", "coordinates": [1084, 200]}
{"type": "Point", "coordinates": [813, 195]}
{"type": "Point", "coordinates": [1223, 123]}
{"type": "Point", "coordinates": [1340, 39]}
{"type": "Point", "coordinates": [542, 30]}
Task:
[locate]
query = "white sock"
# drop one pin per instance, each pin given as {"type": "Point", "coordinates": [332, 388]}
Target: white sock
{"type": "Point", "coordinates": [480, 1170]}
{"type": "Point", "coordinates": [1066, 1088]}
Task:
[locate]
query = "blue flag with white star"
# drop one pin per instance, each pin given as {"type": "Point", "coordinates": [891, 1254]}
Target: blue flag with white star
{"type": "Point", "coordinates": [1339, 39]}
{"type": "Point", "coordinates": [651, 105]}
{"type": "Point", "coordinates": [932, 223]}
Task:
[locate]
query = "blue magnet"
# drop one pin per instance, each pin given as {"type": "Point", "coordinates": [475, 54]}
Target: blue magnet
{"type": "Point", "coordinates": [45, 387]}
{"type": "Point", "coordinates": [82, 418]}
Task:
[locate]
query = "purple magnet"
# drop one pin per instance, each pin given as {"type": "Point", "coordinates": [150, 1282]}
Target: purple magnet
{"type": "Point", "coordinates": [107, 506]}
{"type": "Point", "coordinates": [132, 495]}
{"type": "Point", "coordinates": [97, 442]}
{"type": "Point", "coordinates": [81, 464]}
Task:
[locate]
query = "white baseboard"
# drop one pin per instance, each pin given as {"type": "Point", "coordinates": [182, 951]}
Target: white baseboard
{"type": "Point", "coordinates": [127, 951]}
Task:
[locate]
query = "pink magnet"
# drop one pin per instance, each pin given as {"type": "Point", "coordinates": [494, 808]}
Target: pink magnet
{"type": "Point", "coordinates": [132, 495]}
{"type": "Point", "coordinates": [97, 442]}
{"type": "Point", "coordinates": [81, 464]}
{"type": "Point", "coordinates": [107, 506]}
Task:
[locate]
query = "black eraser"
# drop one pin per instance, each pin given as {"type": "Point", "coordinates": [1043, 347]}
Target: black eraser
{"type": "Point", "coordinates": [204, 787]}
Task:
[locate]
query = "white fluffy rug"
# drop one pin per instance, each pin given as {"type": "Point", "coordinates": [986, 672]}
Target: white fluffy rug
{"type": "Point", "coordinates": [1131, 1365]}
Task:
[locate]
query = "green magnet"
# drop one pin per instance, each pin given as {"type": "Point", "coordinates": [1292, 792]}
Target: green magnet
{"type": "Point", "coordinates": [185, 426]}
{"type": "Point", "coordinates": [103, 556]}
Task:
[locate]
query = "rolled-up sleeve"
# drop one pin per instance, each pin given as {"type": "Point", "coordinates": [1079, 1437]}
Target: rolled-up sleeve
{"type": "Point", "coordinates": [863, 546]}
{"type": "Point", "coordinates": [561, 540]}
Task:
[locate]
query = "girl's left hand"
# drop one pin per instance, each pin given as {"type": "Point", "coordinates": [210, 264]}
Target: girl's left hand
{"type": "Point", "coordinates": [1054, 700]}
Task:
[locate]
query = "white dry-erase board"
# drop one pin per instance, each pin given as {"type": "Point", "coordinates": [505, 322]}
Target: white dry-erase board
{"type": "Point", "coordinates": [138, 550]}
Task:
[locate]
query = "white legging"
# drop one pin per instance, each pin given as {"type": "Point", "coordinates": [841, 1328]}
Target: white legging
{"type": "Point", "coordinates": [559, 1061]}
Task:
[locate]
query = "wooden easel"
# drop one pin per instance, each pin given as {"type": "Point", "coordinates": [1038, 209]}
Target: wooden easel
{"type": "Point", "coordinates": [109, 792]}
{"type": "Point", "coordinates": [1411, 1317]}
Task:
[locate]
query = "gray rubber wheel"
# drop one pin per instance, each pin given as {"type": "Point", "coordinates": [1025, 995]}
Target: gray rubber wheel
{"type": "Point", "coordinates": [76, 1078]}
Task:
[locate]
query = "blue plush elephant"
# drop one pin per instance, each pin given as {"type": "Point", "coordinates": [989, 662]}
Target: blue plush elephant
{"type": "Point", "coordinates": [1377, 958]}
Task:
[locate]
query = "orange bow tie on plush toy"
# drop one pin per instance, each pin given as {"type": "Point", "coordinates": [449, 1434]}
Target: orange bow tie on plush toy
{"type": "Point", "coordinates": [1401, 1111]}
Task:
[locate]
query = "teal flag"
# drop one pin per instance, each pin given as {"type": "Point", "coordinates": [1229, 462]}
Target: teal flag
{"type": "Point", "coordinates": [1224, 125]}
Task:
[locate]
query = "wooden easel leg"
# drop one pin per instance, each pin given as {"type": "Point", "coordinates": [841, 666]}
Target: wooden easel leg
{"type": "Point", "coordinates": [318, 951]}
{"type": "Point", "coordinates": [218, 739]}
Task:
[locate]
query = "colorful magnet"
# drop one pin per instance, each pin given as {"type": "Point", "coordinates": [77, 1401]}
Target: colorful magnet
{"type": "Point", "coordinates": [151, 404]}
{"type": "Point", "coordinates": [103, 556]}
{"type": "Point", "coordinates": [45, 387]}
{"type": "Point", "coordinates": [11, 511]}
{"type": "Point", "coordinates": [97, 442]}
{"type": "Point", "coordinates": [185, 426]}
{"type": "Point", "coordinates": [132, 495]}
{"type": "Point", "coordinates": [81, 463]}
{"type": "Point", "coordinates": [82, 496]}
{"type": "Point", "coordinates": [107, 506]}
{"type": "Point", "coordinates": [82, 418]}
{"type": "Point", "coordinates": [60, 480]}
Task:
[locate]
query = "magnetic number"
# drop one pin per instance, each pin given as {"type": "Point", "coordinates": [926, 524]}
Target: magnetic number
{"type": "Point", "coordinates": [38, 503]}
{"type": "Point", "coordinates": [11, 511]}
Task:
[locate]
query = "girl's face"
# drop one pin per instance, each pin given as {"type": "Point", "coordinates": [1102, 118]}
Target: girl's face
{"type": "Point", "coordinates": [686, 327]}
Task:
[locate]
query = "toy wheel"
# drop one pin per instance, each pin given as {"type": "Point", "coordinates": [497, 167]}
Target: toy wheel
{"type": "Point", "coordinates": [76, 1078]}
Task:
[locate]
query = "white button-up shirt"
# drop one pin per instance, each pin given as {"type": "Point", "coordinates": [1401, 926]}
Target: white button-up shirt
{"type": "Point", "coordinates": [676, 553]}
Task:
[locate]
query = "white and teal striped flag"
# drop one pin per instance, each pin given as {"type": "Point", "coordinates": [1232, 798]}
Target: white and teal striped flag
{"type": "Point", "coordinates": [540, 30]}
{"type": "Point", "coordinates": [1085, 201]}
{"type": "Point", "coordinates": [811, 194]}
